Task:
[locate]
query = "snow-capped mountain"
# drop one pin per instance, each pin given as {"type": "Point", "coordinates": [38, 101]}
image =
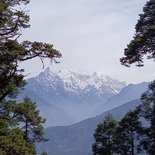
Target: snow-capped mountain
{"type": "Point", "coordinates": [77, 82]}
{"type": "Point", "coordinates": [78, 138]}
{"type": "Point", "coordinates": [77, 94]}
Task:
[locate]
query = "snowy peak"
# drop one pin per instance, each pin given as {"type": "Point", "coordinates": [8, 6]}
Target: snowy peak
{"type": "Point", "coordinates": [79, 82]}
{"type": "Point", "coordinates": [77, 94]}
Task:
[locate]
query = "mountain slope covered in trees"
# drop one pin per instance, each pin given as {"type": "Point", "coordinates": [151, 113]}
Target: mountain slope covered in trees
{"type": "Point", "coordinates": [77, 139]}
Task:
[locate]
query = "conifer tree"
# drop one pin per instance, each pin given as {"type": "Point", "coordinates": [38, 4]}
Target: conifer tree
{"type": "Point", "coordinates": [147, 110]}
{"type": "Point", "coordinates": [12, 51]}
{"type": "Point", "coordinates": [31, 122]}
{"type": "Point", "coordinates": [127, 134]}
{"type": "Point", "coordinates": [13, 139]}
{"type": "Point", "coordinates": [143, 43]}
{"type": "Point", "coordinates": [12, 142]}
{"type": "Point", "coordinates": [104, 137]}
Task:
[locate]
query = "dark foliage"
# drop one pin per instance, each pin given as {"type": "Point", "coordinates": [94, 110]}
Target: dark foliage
{"type": "Point", "coordinates": [20, 123]}
{"type": "Point", "coordinates": [143, 43]}
{"type": "Point", "coordinates": [147, 111]}
{"type": "Point", "coordinates": [104, 137]}
{"type": "Point", "coordinates": [128, 134]}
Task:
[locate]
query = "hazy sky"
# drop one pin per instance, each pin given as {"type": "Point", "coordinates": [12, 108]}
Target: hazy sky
{"type": "Point", "coordinates": [91, 35]}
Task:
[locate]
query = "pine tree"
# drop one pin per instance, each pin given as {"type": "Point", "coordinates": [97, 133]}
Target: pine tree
{"type": "Point", "coordinates": [147, 110]}
{"type": "Point", "coordinates": [127, 140]}
{"type": "Point", "coordinates": [104, 137]}
{"type": "Point", "coordinates": [12, 142]}
{"type": "Point", "coordinates": [143, 42]}
{"type": "Point", "coordinates": [13, 139]}
{"type": "Point", "coordinates": [31, 122]}
{"type": "Point", "coordinates": [12, 51]}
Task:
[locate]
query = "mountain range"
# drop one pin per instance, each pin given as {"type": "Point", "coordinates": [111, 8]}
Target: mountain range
{"type": "Point", "coordinates": [127, 94]}
{"type": "Point", "coordinates": [74, 103]}
{"type": "Point", "coordinates": [66, 97]}
{"type": "Point", "coordinates": [77, 139]}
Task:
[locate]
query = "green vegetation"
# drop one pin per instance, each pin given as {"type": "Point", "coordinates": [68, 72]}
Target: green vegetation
{"type": "Point", "coordinates": [20, 123]}
{"type": "Point", "coordinates": [143, 43]}
{"type": "Point", "coordinates": [104, 137]}
{"type": "Point", "coordinates": [127, 136]}
{"type": "Point", "coordinates": [147, 111]}
{"type": "Point", "coordinates": [131, 136]}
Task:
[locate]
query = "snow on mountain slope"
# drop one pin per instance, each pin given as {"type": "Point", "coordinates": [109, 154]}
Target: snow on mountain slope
{"type": "Point", "coordinates": [78, 94]}
{"type": "Point", "coordinates": [77, 82]}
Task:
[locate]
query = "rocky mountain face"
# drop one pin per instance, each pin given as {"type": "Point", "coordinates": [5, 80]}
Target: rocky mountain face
{"type": "Point", "coordinates": [66, 97]}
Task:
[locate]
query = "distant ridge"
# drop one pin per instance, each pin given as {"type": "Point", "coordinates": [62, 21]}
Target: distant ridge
{"type": "Point", "coordinates": [66, 97]}
{"type": "Point", "coordinates": [127, 94]}
{"type": "Point", "coordinates": [77, 139]}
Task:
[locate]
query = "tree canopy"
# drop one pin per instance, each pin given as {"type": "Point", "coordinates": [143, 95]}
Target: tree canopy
{"type": "Point", "coordinates": [147, 111]}
{"type": "Point", "coordinates": [104, 137]}
{"type": "Point", "coordinates": [20, 123]}
{"type": "Point", "coordinates": [127, 136]}
{"type": "Point", "coordinates": [12, 51]}
{"type": "Point", "coordinates": [143, 43]}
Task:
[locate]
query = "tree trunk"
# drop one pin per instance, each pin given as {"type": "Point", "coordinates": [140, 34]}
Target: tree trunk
{"type": "Point", "coordinates": [26, 131]}
{"type": "Point", "coordinates": [109, 145]}
{"type": "Point", "coordinates": [153, 122]}
{"type": "Point", "coordinates": [132, 147]}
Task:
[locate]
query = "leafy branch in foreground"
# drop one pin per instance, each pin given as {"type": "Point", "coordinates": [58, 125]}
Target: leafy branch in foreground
{"type": "Point", "coordinates": [20, 123]}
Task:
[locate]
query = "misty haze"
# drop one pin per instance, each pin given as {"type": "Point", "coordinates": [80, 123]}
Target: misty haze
{"type": "Point", "coordinates": [77, 77]}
